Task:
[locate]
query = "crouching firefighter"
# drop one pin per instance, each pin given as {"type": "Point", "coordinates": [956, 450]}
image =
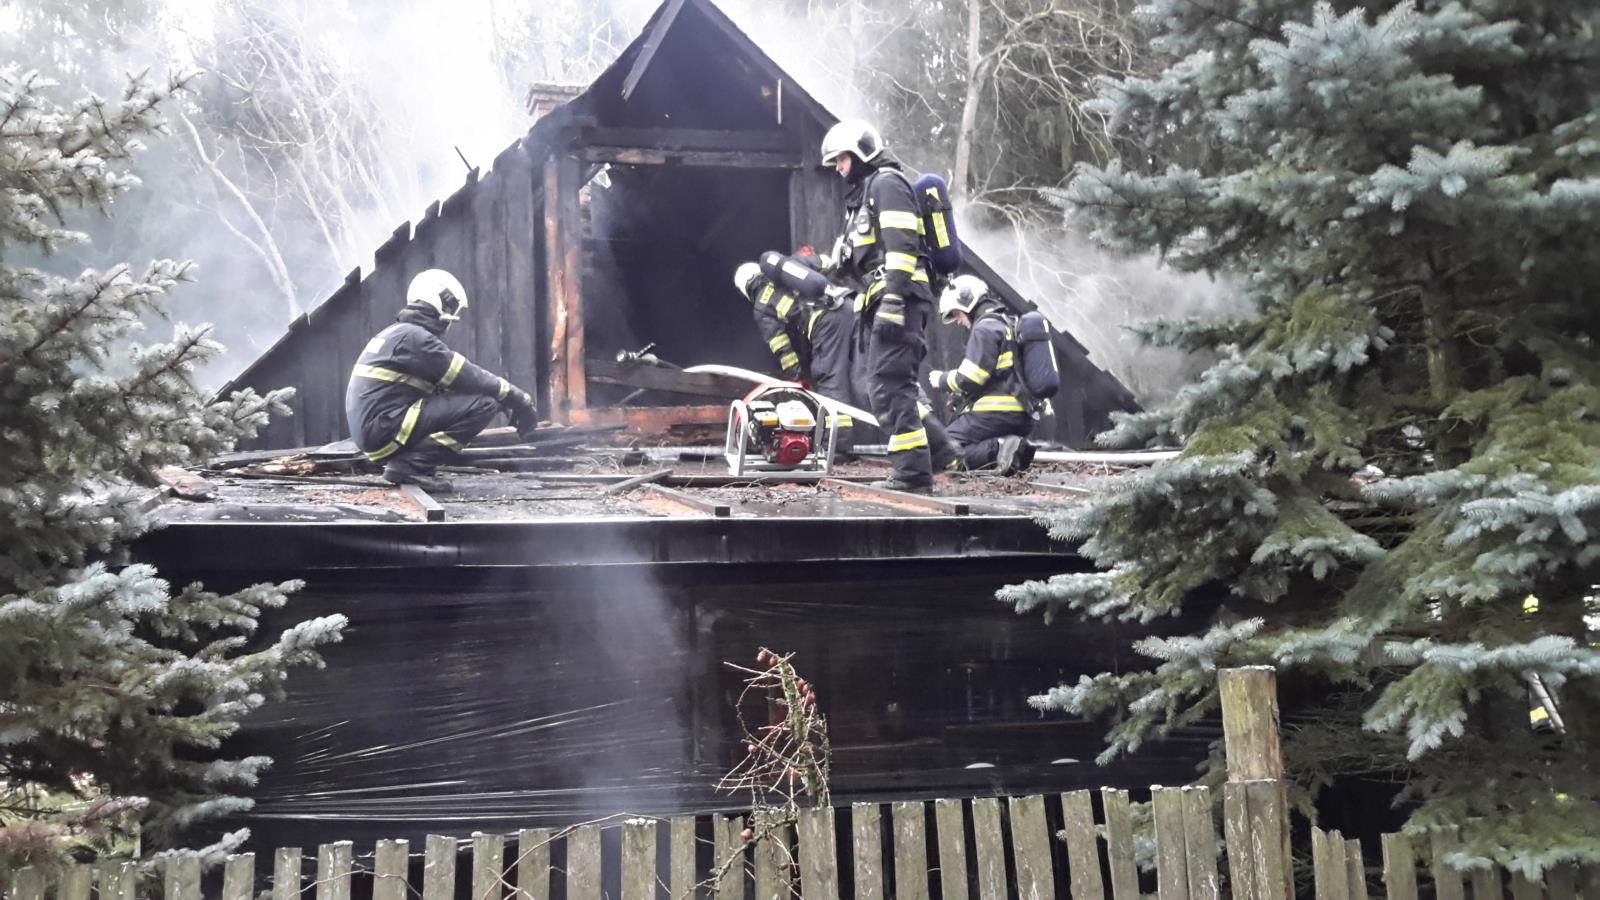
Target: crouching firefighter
{"type": "Point", "coordinates": [882, 255]}
{"type": "Point", "coordinates": [993, 427]}
{"type": "Point", "coordinates": [412, 402]}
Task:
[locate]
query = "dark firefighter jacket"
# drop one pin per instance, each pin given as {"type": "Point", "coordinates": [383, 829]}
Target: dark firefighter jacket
{"type": "Point", "coordinates": [987, 379]}
{"type": "Point", "coordinates": [882, 248]}
{"type": "Point", "coordinates": [395, 374]}
{"type": "Point", "coordinates": [780, 318]}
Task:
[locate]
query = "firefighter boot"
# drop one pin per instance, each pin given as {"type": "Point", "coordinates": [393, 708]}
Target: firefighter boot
{"type": "Point", "coordinates": [404, 472]}
{"type": "Point", "coordinates": [1014, 455]}
{"type": "Point", "coordinates": [895, 484]}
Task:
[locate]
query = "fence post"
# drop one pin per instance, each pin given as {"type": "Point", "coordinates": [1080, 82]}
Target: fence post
{"type": "Point", "coordinates": [1257, 797]}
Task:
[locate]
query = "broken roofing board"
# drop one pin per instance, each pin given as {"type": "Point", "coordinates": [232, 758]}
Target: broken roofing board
{"type": "Point", "coordinates": [715, 179]}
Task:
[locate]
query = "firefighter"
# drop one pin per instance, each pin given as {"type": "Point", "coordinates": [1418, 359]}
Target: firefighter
{"type": "Point", "coordinates": [995, 422]}
{"type": "Point", "coordinates": [412, 402]}
{"type": "Point", "coordinates": [812, 338]}
{"type": "Point", "coordinates": [881, 256]}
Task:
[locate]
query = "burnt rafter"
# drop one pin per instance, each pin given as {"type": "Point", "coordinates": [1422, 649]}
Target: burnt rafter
{"type": "Point", "coordinates": [765, 148]}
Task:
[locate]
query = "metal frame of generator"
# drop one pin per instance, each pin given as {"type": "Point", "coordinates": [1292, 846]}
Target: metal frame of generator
{"type": "Point", "coordinates": [759, 440]}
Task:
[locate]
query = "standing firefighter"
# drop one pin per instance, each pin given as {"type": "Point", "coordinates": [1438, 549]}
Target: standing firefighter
{"type": "Point", "coordinates": [412, 402]}
{"type": "Point", "coordinates": [882, 252]}
{"type": "Point", "coordinates": [995, 421]}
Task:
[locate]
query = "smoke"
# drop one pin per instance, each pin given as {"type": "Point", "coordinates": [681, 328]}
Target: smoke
{"type": "Point", "coordinates": [1095, 295]}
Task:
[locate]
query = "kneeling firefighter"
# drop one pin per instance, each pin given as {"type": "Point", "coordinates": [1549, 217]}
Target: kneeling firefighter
{"type": "Point", "coordinates": [995, 420]}
{"type": "Point", "coordinates": [882, 255]}
{"type": "Point", "coordinates": [412, 402]}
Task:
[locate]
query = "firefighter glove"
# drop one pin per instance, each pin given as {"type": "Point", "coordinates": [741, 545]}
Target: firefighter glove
{"type": "Point", "coordinates": [935, 379]}
{"type": "Point", "coordinates": [890, 321]}
{"type": "Point", "coordinates": [524, 412]}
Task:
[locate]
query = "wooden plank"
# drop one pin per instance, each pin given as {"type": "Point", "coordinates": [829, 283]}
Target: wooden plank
{"type": "Point", "coordinates": [1486, 884]}
{"type": "Point", "coordinates": [866, 844]}
{"type": "Point", "coordinates": [431, 510]}
{"type": "Point", "coordinates": [729, 856]}
{"type": "Point", "coordinates": [116, 880]}
{"type": "Point", "coordinates": [520, 285]}
{"type": "Point", "coordinates": [391, 870]}
{"type": "Point", "coordinates": [724, 159]}
{"type": "Point", "coordinates": [1356, 867]}
{"type": "Point", "coordinates": [638, 860]}
{"type": "Point", "coordinates": [772, 140]}
{"type": "Point", "coordinates": [819, 855]}
{"type": "Point", "coordinates": [1561, 881]}
{"type": "Point", "coordinates": [911, 850]}
{"type": "Point", "coordinates": [488, 864]}
{"type": "Point", "coordinates": [950, 823]}
{"type": "Point", "coordinates": [652, 43]}
{"type": "Point", "coordinates": [1524, 889]}
{"type": "Point", "coordinates": [898, 499]}
{"type": "Point", "coordinates": [1589, 881]}
{"type": "Point", "coordinates": [334, 862]}
{"type": "Point", "coordinates": [1446, 880]}
{"type": "Point", "coordinates": [1399, 868]}
{"type": "Point", "coordinates": [628, 484]}
{"type": "Point", "coordinates": [661, 378]}
{"type": "Point", "coordinates": [487, 253]}
{"type": "Point", "coordinates": [1255, 753]}
{"type": "Point", "coordinates": [77, 880]}
{"type": "Point", "coordinates": [1119, 844]}
{"type": "Point", "coordinates": [1172, 855]}
{"type": "Point", "coordinates": [439, 868]}
{"type": "Point", "coordinates": [583, 863]}
{"type": "Point", "coordinates": [27, 883]}
{"type": "Point", "coordinates": [671, 497]}
{"type": "Point", "coordinates": [1269, 814]}
{"type": "Point", "coordinates": [1030, 841]}
{"type": "Point", "coordinates": [239, 877]}
{"type": "Point", "coordinates": [564, 273]}
{"type": "Point", "coordinates": [287, 873]}
{"type": "Point", "coordinates": [772, 859]}
{"type": "Point", "coordinates": [183, 878]}
{"type": "Point", "coordinates": [989, 846]}
{"type": "Point", "coordinates": [533, 863]}
{"type": "Point", "coordinates": [650, 420]}
{"type": "Point", "coordinates": [1083, 852]}
{"type": "Point", "coordinates": [1200, 843]}
{"type": "Point", "coordinates": [1236, 834]}
{"type": "Point", "coordinates": [1338, 869]}
{"type": "Point", "coordinates": [681, 853]}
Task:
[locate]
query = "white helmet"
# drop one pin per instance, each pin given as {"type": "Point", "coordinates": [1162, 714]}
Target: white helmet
{"type": "Point", "coordinates": [851, 136]}
{"type": "Point", "coordinates": [963, 294]}
{"type": "Point", "coordinates": [440, 290]}
{"type": "Point", "coordinates": [744, 276]}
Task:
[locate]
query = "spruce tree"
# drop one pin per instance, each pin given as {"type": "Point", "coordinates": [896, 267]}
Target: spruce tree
{"type": "Point", "coordinates": [1393, 470]}
{"type": "Point", "coordinates": [116, 691]}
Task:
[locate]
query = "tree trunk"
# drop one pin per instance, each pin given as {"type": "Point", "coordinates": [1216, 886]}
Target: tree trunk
{"type": "Point", "coordinates": [969, 107]}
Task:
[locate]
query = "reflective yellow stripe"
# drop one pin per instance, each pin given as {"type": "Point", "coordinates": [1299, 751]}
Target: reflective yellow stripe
{"type": "Point", "coordinates": [1530, 605]}
{"type": "Point", "coordinates": [811, 326]}
{"type": "Point", "coordinates": [374, 345]}
{"type": "Point", "coordinates": [778, 343]}
{"type": "Point", "coordinates": [896, 318]}
{"type": "Point", "coordinates": [765, 295]}
{"type": "Point", "coordinates": [785, 306]}
{"type": "Point", "coordinates": [446, 440]}
{"type": "Point", "coordinates": [896, 261]}
{"type": "Point", "coordinates": [789, 361]}
{"type": "Point", "coordinates": [1006, 361]}
{"type": "Point", "coordinates": [998, 403]}
{"type": "Point", "coordinates": [896, 219]}
{"type": "Point", "coordinates": [950, 380]}
{"type": "Point", "coordinates": [863, 240]}
{"type": "Point", "coordinates": [505, 388]}
{"type": "Point", "coordinates": [400, 438]}
{"type": "Point", "coordinates": [923, 410]}
{"type": "Point", "coordinates": [911, 440]}
{"type": "Point", "coordinates": [1537, 714]}
{"type": "Point", "coordinates": [379, 373]}
{"type": "Point", "coordinates": [972, 372]}
{"type": "Point", "coordinates": [456, 362]}
{"type": "Point", "coordinates": [941, 233]}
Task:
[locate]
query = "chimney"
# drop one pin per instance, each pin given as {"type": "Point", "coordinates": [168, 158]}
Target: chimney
{"type": "Point", "coordinates": [546, 96]}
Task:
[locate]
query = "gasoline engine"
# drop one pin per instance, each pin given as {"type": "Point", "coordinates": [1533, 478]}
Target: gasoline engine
{"type": "Point", "coordinates": [779, 426]}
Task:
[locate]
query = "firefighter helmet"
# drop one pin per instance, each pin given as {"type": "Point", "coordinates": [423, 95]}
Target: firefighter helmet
{"type": "Point", "coordinates": [440, 290]}
{"type": "Point", "coordinates": [745, 276]}
{"type": "Point", "coordinates": [963, 294]}
{"type": "Point", "coordinates": [855, 136]}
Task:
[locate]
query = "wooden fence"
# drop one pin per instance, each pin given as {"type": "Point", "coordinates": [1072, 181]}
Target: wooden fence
{"type": "Point", "coordinates": [1079, 845]}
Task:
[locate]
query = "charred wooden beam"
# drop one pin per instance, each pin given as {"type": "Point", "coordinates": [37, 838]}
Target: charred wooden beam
{"type": "Point", "coordinates": [431, 510]}
{"type": "Point", "coordinates": [647, 53]}
{"type": "Point", "coordinates": [563, 242]}
{"type": "Point", "coordinates": [898, 499]}
{"type": "Point", "coordinates": [689, 140]}
{"type": "Point", "coordinates": [653, 419]}
{"type": "Point", "coordinates": [650, 156]}
{"type": "Point", "coordinates": [657, 495]}
{"type": "Point", "coordinates": [657, 378]}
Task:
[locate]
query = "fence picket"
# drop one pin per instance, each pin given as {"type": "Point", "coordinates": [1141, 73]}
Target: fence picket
{"type": "Point", "coordinates": [910, 851]}
{"type": "Point", "coordinates": [1119, 845]}
{"type": "Point", "coordinates": [819, 855]}
{"type": "Point", "coordinates": [183, 878]}
{"type": "Point", "coordinates": [866, 844]}
{"type": "Point", "coordinates": [1356, 869]}
{"type": "Point", "coordinates": [1589, 881]}
{"type": "Point", "coordinates": [27, 883]}
{"type": "Point", "coordinates": [439, 868]}
{"type": "Point", "coordinates": [681, 854]}
{"type": "Point", "coordinates": [333, 870]}
{"type": "Point", "coordinates": [583, 863]}
{"type": "Point", "coordinates": [76, 882]}
{"type": "Point", "coordinates": [488, 862]}
{"type": "Point", "coordinates": [950, 823]}
{"type": "Point", "coordinates": [772, 865]}
{"type": "Point", "coordinates": [1083, 853]}
{"type": "Point", "coordinates": [990, 848]}
{"type": "Point", "coordinates": [1172, 854]}
{"type": "Point", "coordinates": [116, 880]}
{"type": "Point", "coordinates": [533, 863]}
{"type": "Point", "coordinates": [1399, 868]}
{"type": "Point", "coordinates": [1562, 882]}
{"type": "Point", "coordinates": [1486, 885]}
{"type": "Point", "coordinates": [1523, 889]}
{"type": "Point", "coordinates": [638, 861]}
{"type": "Point", "coordinates": [288, 870]}
{"type": "Point", "coordinates": [730, 853]}
{"type": "Point", "coordinates": [391, 870]}
{"type": "Point", "coordinates": [1200, 843]}
{"type": "Point", "coordinates": [239, 877]}
{"type": "Point", "coordinates": [1030, 841]}
{"type": "Point", "coordinates": [1446, 879]}
{"type": "Point", "coordinates": [1236, 834]}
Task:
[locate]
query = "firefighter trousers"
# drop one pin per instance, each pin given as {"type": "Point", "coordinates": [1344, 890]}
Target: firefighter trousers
{"type": "Point", "coordinates": [446, 423]}
{"type": "Point", "coordinates": [892, 365]}
{"type": "Point", "coordinates": [977, 435]}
